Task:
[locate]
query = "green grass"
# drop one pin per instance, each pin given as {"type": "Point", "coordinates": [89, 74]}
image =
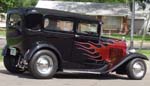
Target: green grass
{"type": "Point", "coordinates": [136, 37]}
{"type": "Point", "coordinates": [2, 32]}
{"type": "Point", "coordinates": [145, 52]}
{"type": "Point", "coordinates": [1, 55]}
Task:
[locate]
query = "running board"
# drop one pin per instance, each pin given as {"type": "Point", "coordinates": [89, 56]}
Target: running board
{"type": "Point", "coordinates": [81, 71]}
{"type": "Point", "coordinates": [92, 71]}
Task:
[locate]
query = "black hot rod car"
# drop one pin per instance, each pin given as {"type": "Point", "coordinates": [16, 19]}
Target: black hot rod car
{"type": "Point", "coordinates": [44, 41]}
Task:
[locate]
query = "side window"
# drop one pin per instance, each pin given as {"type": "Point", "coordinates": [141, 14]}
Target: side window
{"type": "Point", "coordinates": [58, 25]}
{"type": "Point", "coordinates": [87, 28]}
{"type": "Point", "coordinates": [14, 21]}
{"type": "Point", "coordinates": [34, 21]}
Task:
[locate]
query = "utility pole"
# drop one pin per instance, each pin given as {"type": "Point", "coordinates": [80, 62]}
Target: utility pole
{"type": "Point", "coordinates": [132, 25]}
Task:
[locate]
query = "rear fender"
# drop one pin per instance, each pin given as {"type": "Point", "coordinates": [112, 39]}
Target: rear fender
{"type": "Point", "coordinates": [30, 52]}
{"type": "Point", "coordinates": [126, 59]}
{"type": "Point", "coordinates": [5, 51]}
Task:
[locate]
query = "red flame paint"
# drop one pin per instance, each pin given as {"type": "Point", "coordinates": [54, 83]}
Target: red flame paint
{"type": "Point", "coordinates": [109, 50]}
{"type": "Point", "coordinates": [94, 51]}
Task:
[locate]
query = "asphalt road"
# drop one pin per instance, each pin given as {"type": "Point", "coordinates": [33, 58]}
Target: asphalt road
{"type": "Point", "coordinates": [69, 79]}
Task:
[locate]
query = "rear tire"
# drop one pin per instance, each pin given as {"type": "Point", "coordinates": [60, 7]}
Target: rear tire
{"type": "Point", "coordinates": [10, 63]}
{"type": "Point", "coordinates": [43, 64]}
{"type": "Point", "coordinates": [136, 69]}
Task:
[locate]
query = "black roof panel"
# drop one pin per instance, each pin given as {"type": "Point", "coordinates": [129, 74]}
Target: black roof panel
{"type": "Point", "coordinates": [54, 13]}
{"type": "Point", "coordinates": [65, 14]}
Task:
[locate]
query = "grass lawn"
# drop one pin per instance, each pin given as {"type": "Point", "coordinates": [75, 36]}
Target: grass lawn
{"type": "Point", "coordinates": [2, 32]}
{"type": "Point", "coordinates": [136, 37]}
{"type": "Point", "coordinates": [145, 52]}
{"type": "Point", "coordinates": [0, 54]}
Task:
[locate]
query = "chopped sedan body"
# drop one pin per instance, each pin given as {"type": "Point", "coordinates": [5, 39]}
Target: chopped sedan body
{"type": "Point", "coordinates": [45, 41]}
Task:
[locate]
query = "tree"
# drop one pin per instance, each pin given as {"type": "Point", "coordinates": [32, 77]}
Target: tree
{"type": "Point", "coordinates": [100, 1]}
{"type": "Point", "coordinates": [9, 4]}
{"type": "Point", "coordinates": [26, 3]}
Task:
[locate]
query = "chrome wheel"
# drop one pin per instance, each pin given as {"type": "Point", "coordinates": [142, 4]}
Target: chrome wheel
{"type": "Point", "coordinates": [44, 65]}
{"type": "Point", "coordinates": [138, 69]}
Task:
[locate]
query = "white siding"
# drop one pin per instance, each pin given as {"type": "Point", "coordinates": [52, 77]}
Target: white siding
{"type": "Point", "coordinates": [112, 23]}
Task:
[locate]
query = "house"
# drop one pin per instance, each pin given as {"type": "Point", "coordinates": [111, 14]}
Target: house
{"type": "Point", "coordinates": [114, 16]}
{"type": "Point", "coordinates": [2, 20]}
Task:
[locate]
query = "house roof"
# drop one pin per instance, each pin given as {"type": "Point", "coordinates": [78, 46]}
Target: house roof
{"type": "Point", "coordinates": [88, 8]}
{"type": "Point", "coordinates": [95, 9]}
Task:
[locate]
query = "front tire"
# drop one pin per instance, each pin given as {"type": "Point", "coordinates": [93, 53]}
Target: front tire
{"type": "Point", "coordinates": [136, 69]}
{"type": "Point", "coordinates": [10, 63]}
{"type": "Point", "coordinates": [43, 64]}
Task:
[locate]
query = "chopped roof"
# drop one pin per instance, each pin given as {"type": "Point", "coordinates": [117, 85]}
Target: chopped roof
{"type": "Point", "coordinates": [53, 12]}
{"type": "Point", "coordinates": [65, 14]}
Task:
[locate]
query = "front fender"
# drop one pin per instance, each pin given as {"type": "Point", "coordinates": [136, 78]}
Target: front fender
{"type": "Point", "coordinates": [128, 58]}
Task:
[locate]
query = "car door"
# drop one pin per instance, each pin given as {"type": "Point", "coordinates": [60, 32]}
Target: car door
{"type": "Point", "coordinates": [86, 46]}
{"type": "Point", "coordinates": [59, 32]}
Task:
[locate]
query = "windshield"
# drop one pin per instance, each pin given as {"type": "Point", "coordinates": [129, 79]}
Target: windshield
{"type": "Point", "coordinates": [88, 28]}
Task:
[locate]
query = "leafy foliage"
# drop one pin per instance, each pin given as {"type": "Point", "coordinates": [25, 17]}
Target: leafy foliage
{"type": "Point", "coordinates": [9, 4]}
{"type": "Point", "coordinates": [101, 1]}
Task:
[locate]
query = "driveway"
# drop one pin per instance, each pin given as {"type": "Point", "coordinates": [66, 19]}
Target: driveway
{"type": "Point", "coordinates": [2, 42]}
{"type": "Point", "coordinates": [69, 79]}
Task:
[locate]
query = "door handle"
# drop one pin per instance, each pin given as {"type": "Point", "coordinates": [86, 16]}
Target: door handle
{"type": "Point", "coordinates": [77, 36]}
{"type": "Point", "coordinates": [34, 30]}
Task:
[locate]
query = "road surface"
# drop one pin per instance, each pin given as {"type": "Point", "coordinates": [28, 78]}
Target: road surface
{"type": "Point", "coordinates": [65, 79]}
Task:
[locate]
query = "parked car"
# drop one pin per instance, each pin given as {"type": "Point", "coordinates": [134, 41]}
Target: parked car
{"type": "Point", "coordinates": [44, 41]}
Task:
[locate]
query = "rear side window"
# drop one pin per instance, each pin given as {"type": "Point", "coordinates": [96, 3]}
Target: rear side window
{"type": "Point", "coordinates": [58, 25]}
{"type": "Point", "coordinates": [14, 21]}
{"type": "Point", "coordinates": [34, 21]}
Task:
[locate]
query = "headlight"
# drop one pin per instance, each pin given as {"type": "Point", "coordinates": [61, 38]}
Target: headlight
{"type": "Point", "coordinates": [132, 51]}
{"type": "Point", "coordinates": [123, 38]}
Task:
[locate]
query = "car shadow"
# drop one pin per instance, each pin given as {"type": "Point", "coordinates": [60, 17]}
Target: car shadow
{"type": "Point", "coordinates": [89, 76]}
{"type": "Point", "coordinates": [63, 75]}
{"type": "Point", "coordinates": [24, 75]}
